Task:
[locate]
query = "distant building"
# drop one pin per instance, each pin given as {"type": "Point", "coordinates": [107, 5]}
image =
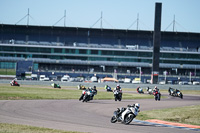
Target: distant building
{"type": "Point", "coordinates": [100, 50]}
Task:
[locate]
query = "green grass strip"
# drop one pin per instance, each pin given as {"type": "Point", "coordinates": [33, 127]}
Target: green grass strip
{"type": "Point", "coordinates": [14, 128]}
{"type": "Point", "coordinates": [36, 92]}
{"type": "Point", "coordinates": [186, 115]}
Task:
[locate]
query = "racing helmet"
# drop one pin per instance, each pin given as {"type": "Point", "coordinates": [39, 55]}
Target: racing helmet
{"type": "Point", "coordinates": [118, 85]}
{"type": "Point", "coordinates": [137, 105]}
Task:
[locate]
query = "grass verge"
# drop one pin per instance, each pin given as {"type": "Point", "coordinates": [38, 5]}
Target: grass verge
{"type": "Point", "coordinates": [14, 128]}
{"type": "Point", "coordinates": [42, 92]}
{"type": "Point", "coordinates": [186, 115]}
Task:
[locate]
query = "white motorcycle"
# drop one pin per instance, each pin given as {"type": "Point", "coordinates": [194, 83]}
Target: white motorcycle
{"type": "Point", "coordinates": [149, 91]}
{"type": "Point", "coordinates": [125, 115]}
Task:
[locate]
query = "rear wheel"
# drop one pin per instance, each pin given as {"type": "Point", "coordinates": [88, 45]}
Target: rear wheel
{"type": "Point", "coordinates": [128, 119]}
{"type": "Point", "coordinates": [113, 119]}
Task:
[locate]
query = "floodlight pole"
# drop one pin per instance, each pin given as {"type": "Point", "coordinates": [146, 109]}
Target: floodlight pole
{"type": "Point", "coordinates": [101, 20]}
{"type": "Point", "coordinates": [64, 18]}
{"type": "Point", "coordinates": [138, 21]}
{"type": "Point", "coordinates": [28, 17]}
{"type": "Point", "coordinates": [174, 22]}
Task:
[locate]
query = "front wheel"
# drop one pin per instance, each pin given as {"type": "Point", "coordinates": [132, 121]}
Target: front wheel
{"type": "Point", "coordinates": [156, 98]}
{"type": "Point", "coordinates": [128, 119]}
{"type": "Point", "coordinates": [159, 95]}
{"type": "Point", "coordinates": [120, 97]}
{"type": "Point", "coordinates": [181, 96]}
{"type": "Point", "coordinates": [115, 97]}
{"type": "Point", "coordinates": [113, 119]}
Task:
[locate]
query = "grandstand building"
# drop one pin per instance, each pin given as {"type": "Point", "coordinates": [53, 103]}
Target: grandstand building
{"type": "Point", "coordinates": [97, 50]}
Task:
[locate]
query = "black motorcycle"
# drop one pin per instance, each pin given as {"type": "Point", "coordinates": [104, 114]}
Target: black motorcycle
{"type": "Point", "coordinates": [118, 95]}
{"type": "Point", "coordinates": [157, 95]}
{"type": "Point", "coordinates": [175, 92]}
{"type": "Point", "coordinates": [89, 94]}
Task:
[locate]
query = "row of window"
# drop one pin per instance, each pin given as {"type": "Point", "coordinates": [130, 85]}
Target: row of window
{"type": "Point", "coordinates": [100, 58]}
{"type": "Point", "coordinates": [98, 52]}
{"type": "Point", "coordinates": [12, 65]}
{"type": "Point", "coordinates": [7, 65]}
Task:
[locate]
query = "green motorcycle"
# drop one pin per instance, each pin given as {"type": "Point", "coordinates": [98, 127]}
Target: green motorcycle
{"type": "Point", "coordinates": [54, 85]}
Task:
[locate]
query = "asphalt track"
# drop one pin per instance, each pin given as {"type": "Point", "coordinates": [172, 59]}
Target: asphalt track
{"type": "Point", "coordinates": [93, 116]}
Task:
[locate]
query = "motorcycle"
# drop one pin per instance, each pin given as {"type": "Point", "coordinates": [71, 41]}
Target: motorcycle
{"type": "Point", "coordinates": [54, 85]}
{"type": "Point", "coordinates": [157, 95]}
{"type": "Point", "coordinates": [14, 83]}
{"type": "Point", "coordinates": [175, 92]}
{"type": "Point", "coordinates": [81, 87]}
{"type": "Point", "coordinates": [108, 88]}
{"type": "Point", "coordinates": [140, 90]}
{"type": "Point", "coordinates": [83, 93]}
{"type": "Point", "coordinates": [88, 95]}
{"type": "Point", "coordinates": [118, 95]}
{"type": "Point", "coordinates": [149, 91]}
{"type": "Point", "coordinates": [127, 115]}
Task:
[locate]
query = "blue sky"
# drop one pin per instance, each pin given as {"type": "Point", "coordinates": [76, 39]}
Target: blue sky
{"type": "Point", "coordinates": [118, 14]}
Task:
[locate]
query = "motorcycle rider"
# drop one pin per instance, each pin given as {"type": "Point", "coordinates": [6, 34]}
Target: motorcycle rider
{"type": "Point", "coordinates": [122, 109]}
{"type": "Point", "coordinates": [14, 81]}
{"type": "Point", "coordinates": [148, 88]}
{"type": "Point", "coordinates": [118, 88]}
{"type": "Point", "coordinates": [108, 88]}
{"type": "Point", "coordinates": [176, 91]}
{"type": "Point", "coordinates": [94, 90]}
{"type": "Point", "coordinates": [156, 89]}
{"type": "Point", "coordinates": [138, 88]}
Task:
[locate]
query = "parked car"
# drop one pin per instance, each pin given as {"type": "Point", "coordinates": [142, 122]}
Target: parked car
{"type": "Point", "coordinates": [183, 83]}
{"type": "Point", "coordinates": [162, 82]}
{"type": "Point", "coordinates": [196, 83]}
{"type": "Point", "coordinates": [136, 81]}
{"type": "Point", "coordinates": [65, 78]}
{"type": "Point", "coordinates": [43, 78]}
{"type": "Point", "coordinates": [127, 80]}
{"type": "Point", "coordinates": [94, 79]}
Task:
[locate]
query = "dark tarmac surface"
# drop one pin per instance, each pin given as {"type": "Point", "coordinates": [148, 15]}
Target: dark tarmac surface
{"type": "Point", "coordinates": [94, 116]}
